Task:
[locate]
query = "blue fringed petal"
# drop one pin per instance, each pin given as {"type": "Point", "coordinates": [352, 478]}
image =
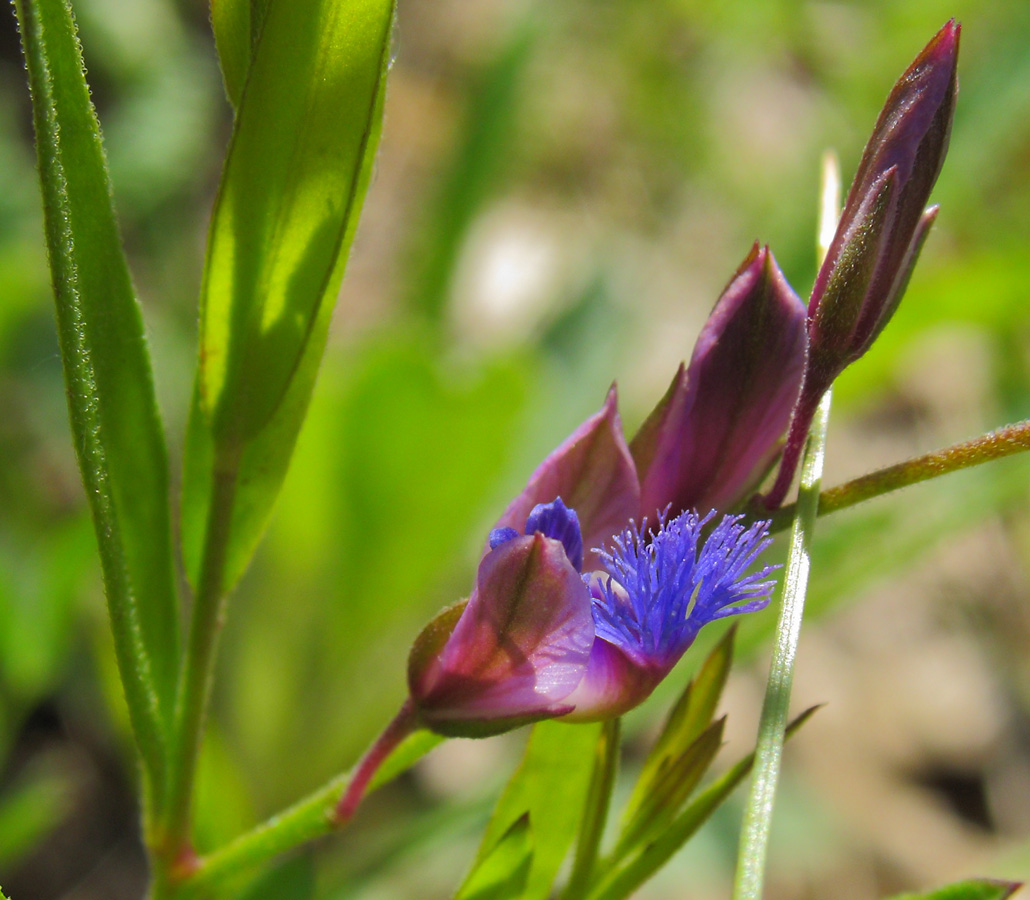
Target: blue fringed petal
{"type": "Point", "coordinates": [665, 584]}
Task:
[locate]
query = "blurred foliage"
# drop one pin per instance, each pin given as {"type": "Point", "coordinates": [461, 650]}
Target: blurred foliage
{"type": "Point", "coordinates": [561, 193]}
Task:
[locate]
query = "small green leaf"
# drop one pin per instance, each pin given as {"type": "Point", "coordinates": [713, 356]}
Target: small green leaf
{"type": "Point", "coordinates": [117, 431]}
{"type": "Point", "coordinates": [595, 811]}
{"type": "Point", "coordinates": [669, 791]}
{"type": "Point", "coordinates": [298, 167]}
{"type": "Point", "coordinates": [620, 880]}
{"type": "Point", "coordinates": [975, 889]}
{"type": "Point", "coordinates": [551, 785]}
{"type": "Point", "coordinates": [502, 873]}
{"type": "Point", "coordinates": [691, 715]}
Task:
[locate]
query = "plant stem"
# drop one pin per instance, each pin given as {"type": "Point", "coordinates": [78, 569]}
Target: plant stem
{"type": "Point", "coordinates": [987, 447]}
{"type": "Point", "coordinates": [316, 814]}
{"type": "Point", "coordinates": [754, 834]}
{"type": "Point", "coordinates": [403, 724]}
{"type": "Point", "coordinates": [176, 857]}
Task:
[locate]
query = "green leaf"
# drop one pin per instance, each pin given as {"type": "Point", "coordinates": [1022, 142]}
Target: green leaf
{"type": "Point", "coordinates": [691, 715]}
{"type": "Point", "coordinates": [669, 791]}
{"type": "Point", "coordinates": [236, 25]}
{"type": "Point", "coordinates": [975, 889]}
{"type": "Point", "coordinates": [503, 872]}
{"type": "Point", "coordinates": [550, 785]}
{"type": "Point", "coordinates": [621, 880]}
{"type": "Point", "coordinates": [595, 811]}
{"type": "Point", "coordinates": [117, 431]}
{"type": "Point", "coordinates": [298, 167]}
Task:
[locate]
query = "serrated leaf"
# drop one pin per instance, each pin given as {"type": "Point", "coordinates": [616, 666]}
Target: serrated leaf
{"type": "Point", "coordinates": [669, 790]}
{"type": "Point", "coordinates": [690, 716]}
{"type": "Point", "coordinates": [550, 785]}
{"type": "Point", "coordinates": [298, 167]}
{"type": "Point", "coordinates": [974, 889]}
{"type": "Point", "coordinates": [117, 430]}
{"type": "Point", "coordinates": [502, 873]}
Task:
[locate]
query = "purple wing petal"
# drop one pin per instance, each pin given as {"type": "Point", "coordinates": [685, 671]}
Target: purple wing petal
{"type": "Point", "coordinates": [724, 416]}
{"type": "Point", "coordinates": [519, 648]}
{"type": "Point", "coordinates": [593, 473]}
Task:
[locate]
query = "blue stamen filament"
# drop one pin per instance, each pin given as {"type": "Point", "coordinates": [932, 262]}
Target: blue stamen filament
{"type": "Point", "coordinates": [663, 585]}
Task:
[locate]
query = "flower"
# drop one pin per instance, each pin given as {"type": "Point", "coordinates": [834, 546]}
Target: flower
{"type": "Point", "coordinates": [881, 230]}
{"type": "Point", "coordinates": [538, 639]}
{"type": "Point", "coordinates": [579, 612]}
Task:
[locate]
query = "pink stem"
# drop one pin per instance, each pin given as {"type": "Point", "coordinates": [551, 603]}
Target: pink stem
{"type": "Point", "coordinates": [402, 725]}
{"type": "Point", "coordinates": [799, 425]}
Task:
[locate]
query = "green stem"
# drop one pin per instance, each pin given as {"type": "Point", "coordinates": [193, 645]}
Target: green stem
{"type": "Point", "coordinates": [176, 858]}
{"type": "Point", "coordinates": [306, 820]}
{"type": "Point", "coordinates": [987, 447]}
{"type": "Point", "coordinates": [396, 750]}
{"type": "Point", "coordinates": [754, 833]}
{"type": "Point", "coordinates": [595, 812]}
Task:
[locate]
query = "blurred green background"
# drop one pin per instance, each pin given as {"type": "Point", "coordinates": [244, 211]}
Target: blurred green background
{"type": "Point", "coordinates": [561, 192]}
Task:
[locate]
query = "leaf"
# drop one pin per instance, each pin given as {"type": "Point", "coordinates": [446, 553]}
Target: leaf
{"type": "Point", "coordinates": [621, 880]}
{"type": "Point", "coordinates": [551, 785]}
{"type": "Point", "coordinates": [117, 431]}
{"type": "Point", "coordinates": [595, 811]}
{"type": "Point", "coordinates": [974, 889]}
{"type": "Point", "coordinates": [669, 791]}
{"type": "Point", "coordinates": [298, 167]}
{"type": "Point", "coordinates": [502, 873]}
{"type": "Point", "coordinates": [236, 25]}
{"type": "Point", "coordinates": [691, 715]}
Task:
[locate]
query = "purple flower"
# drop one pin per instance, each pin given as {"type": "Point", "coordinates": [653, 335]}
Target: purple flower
{"type": "Point", "coordinates": [882, 229]}
{"type": "Point", "coordinates": [579, 612]}
{"type": "Point", "coordinates": [538, 639]}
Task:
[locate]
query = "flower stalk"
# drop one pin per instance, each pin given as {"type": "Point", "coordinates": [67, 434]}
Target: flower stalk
{"type": "Point", "coordinates": [997, 444]}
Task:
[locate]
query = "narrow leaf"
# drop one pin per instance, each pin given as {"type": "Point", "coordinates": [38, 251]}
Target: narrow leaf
{"type": "Point", "coordinates": [236, 25]}
{"type": "Point", "coordinates": [595, 812]}
{"type": "Point", "coordinates": [691, 715]}
{"type": "Point", "coordinates": [299, 165]}
{"type": "Point", "coordinates": [503, 872]}
{"type": "Point", "coordinates": [974, 889]}
{"type": "Point", "coordinates": [551, 785]}
{"type": "Point", "coordinates": [670, 790]}
{"type": "Point", "coordinates": [230, 22]}
{"type": "Point", "coordinates": [619, 882]}
{"type": "Point", "coordinates": [117, 430]}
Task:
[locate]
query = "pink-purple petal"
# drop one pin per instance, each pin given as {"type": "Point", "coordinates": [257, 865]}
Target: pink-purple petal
{"type": "Point", "coordinates": [593, 473]}
{"type": "Point", "coordinates": [519, 648]}
{"type": "Point", "coordinates": [725, 415]}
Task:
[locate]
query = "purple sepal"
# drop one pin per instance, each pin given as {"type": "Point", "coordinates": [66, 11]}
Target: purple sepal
{"type": "Point", "coordinates": [718, 428]}
{"type": "Point", "coordinates": [593, 473]}
{"type": "Point", "coordinates": [518, 649]}
{"type": "Point", "coordinates": [882, 229]}
{"type": "Point", "coordinates": [884, 223]}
